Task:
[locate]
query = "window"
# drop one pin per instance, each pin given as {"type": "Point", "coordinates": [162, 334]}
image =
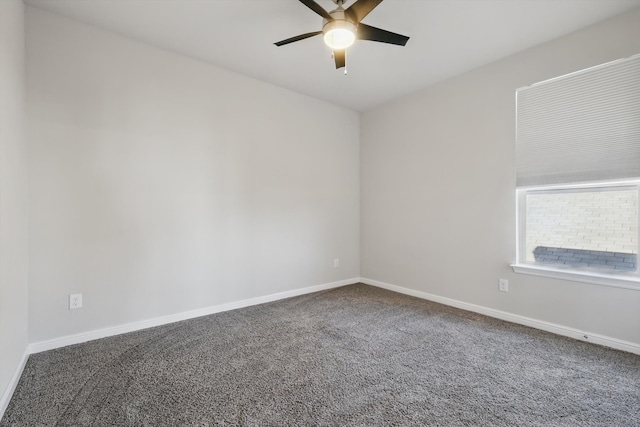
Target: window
{"type": "Point", "coordinates": [590, 229]}
{"type": "Point", "coordinates": [578, 175]}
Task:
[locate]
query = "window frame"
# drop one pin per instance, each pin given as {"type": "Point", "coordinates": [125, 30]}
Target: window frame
{"type": "Point", "coordinates": [627, 280]}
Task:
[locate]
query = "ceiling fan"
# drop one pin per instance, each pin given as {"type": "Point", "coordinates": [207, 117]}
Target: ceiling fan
{"type": "Point", "coordinates": [341, 27]}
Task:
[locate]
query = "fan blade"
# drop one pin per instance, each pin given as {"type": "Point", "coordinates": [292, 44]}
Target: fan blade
{"type": "Point", "coordinates": [367, 32]}
{"type": "Point", "coordinates": [317, 9]}
{"type": "Point", "coordinates": [340, 57]}
{"type": "Point", "coordinates": [297, 38]}
{"type": "Point", "coordinates": [361, 8]}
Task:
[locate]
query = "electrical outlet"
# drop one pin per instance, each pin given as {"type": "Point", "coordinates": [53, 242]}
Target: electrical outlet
{"type": "Point", "coordinates": [504, 285]}
{"type": "Point", "coordinates": [336, 262]}
{"type": "Point", "coordinates": [75, 301]}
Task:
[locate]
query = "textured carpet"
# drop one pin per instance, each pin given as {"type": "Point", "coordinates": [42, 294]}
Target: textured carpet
{"type": "Point", "coordinates": [355, 355]}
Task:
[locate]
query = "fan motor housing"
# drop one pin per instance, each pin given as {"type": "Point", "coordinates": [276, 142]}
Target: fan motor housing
{"type": "Point", "coordinates": [340, 20]}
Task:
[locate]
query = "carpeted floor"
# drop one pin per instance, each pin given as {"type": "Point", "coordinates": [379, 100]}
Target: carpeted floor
{"type": "Point", "coordinates": [355, 355]}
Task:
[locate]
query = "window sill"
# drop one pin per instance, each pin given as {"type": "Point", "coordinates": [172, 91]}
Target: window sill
{"type": "Point", "coordinates": [624, 281]}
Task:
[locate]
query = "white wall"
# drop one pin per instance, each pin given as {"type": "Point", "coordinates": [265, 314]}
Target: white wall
{"type": "Point", "coordinates": [160, 184]}
{"type": "Point", "coordinates": [437, 189]}
{"type": "Point", "coordinates": [13, 197]}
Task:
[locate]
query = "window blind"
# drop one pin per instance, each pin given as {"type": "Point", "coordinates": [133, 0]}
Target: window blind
{"type": "Point", "coordinates": [581, 127]}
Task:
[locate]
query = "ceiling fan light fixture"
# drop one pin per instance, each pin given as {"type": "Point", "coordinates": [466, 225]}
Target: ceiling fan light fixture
{"type": "Point", "coordinates": [339, 34]}
{"type": "Point", "coordinates": [341, 27]}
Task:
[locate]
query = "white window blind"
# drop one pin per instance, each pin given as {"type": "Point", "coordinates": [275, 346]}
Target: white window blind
{"type": "Point", "coordinates": [581, 127]}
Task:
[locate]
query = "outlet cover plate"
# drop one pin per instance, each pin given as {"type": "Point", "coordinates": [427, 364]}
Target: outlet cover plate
{"type": "Point", "coordinates": [75, 301]}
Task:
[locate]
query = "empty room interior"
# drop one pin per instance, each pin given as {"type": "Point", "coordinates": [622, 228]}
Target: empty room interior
{"type": "Point", "coordinates": [413, 213]}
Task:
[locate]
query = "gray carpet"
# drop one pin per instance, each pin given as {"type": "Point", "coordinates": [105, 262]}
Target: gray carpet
{"type": "Point", "coordinates": [355, 355]}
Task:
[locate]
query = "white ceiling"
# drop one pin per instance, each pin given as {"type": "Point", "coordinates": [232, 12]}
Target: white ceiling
{"type": "Point", "coordinates": [448, 37]}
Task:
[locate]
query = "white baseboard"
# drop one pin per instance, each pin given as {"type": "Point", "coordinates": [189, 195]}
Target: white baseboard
{"type": "Point", "coordinates": [38, 347]}
{"type": "Point", "coordinates": [11, 387]}
{"type": "Point", "coordinates": [514, 318]}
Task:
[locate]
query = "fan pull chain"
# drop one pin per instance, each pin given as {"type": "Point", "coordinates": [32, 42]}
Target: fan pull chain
{"type": "Point", "coordinates": [345, 62]}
